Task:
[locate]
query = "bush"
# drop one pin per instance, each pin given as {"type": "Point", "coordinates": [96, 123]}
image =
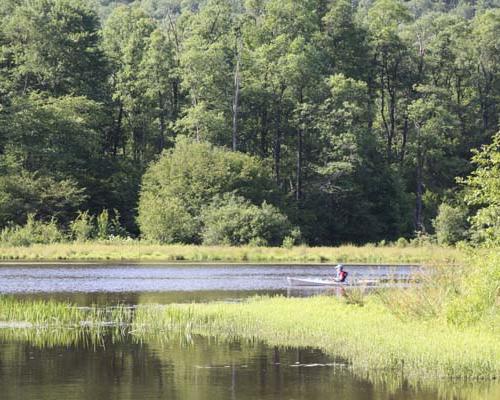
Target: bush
{"type": "Point", "coordinates": [233, 220]}
{"type": "Point", "coordinates": [477, 295]}
{"type": "Point", "coordinates": [34, 232]}
{"type": "Point", "coordinates": [168, 221]}
{"type": "Point", "coordinates": [422, 239]}
{"type": "Point", "coordinates": [450, 224]}
{"type": "Point", "coordinates": [402, 243]}
{"type": "Point", "coordinates": [82, 228]}
{"type": "Point", "coordinates": [185, 179]}
{"type": "Point", "coordinates": [102, 225]}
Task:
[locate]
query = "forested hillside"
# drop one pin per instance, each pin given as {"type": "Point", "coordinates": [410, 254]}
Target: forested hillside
{"type": "Point", "coordinates": [248, 121]}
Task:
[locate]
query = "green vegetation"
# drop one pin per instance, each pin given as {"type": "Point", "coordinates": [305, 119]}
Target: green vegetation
{"type": "Point", "coordinates": [187, 179]}
{"type": "Point", "coordinates": [232, 220]}
{"type": "Point", "coordinates": [129, 250]}
{"type": "Point", "coordinates": [369, 336]}
{"type": "Point", "coordinates": [339, 115]}
{"type": "Point", "coordinates": [52, 314]}
{"type": "Point", "coordinates": [451, 224]}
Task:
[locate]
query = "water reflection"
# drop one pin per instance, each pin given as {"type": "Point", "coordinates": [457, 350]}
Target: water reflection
{"type": "Point", "coordinates": [199, 368]}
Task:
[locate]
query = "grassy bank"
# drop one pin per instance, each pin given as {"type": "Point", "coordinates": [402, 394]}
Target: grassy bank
{"type": "Point", "coordinates": [370, 337]}
{"type": "Point", "coordinates": [142, 252]}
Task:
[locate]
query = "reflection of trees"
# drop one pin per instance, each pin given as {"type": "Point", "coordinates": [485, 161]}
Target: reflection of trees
{"type": "Point", "coordinates": [111, 364]}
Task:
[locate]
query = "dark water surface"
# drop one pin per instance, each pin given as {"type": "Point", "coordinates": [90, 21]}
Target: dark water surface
{"type": "Point", "coordinates": [201, 369]}
{"type": "Point", "coordinates": [37, 365]}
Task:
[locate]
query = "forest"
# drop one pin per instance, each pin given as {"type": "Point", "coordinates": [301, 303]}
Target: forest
{"type": "Point", "coordinates": [263, 122]}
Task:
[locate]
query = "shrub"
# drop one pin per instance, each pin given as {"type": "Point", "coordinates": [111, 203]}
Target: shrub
{"type": "Point", "coordinates": [402, 243]}
{"type": "Point", "coordinates": [115, 228]}
{"type": "Point", "coordinates": [478, 293]}
{"type": "Point", "coordinates": [186, 178]}
{"type": "Point", "coordinates": [168, 221]}
{"type": "Point", "coordinates": [422, 239]}
{"type": "Point", "coordinates": [292, 239]}
{"type": "Point", "coordinates": [450, 224]}
{"type": "Point", "coordinates": [102, 225]}
{"type": "Point", "coordinates": [233, 220]}
{"type": "Point", "coordinates": [82, 228]}
{"type": "Point", "coordinates": [33, 232]}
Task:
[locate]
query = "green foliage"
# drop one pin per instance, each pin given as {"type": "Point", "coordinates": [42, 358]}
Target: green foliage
{"type": "Point", "coordinates": [402, 242]}
{"type": "Point", "coordinates": [483, 192]}
{"type": "Point", "coordinates": [82, 228]}
{"type": "Point", "coordinates": [57, 136]}
{"type": "Point", "coordinates": [233, 220]}
{"type": "Point", "coordinates": [33, 232]}
{"type": "Point", "coordinates": [23, 193]}
{"type": "Point", "coordinates": [102, 225]}
{"type": "Point", "coordinates": [363, 112]}
{"type": "Point", "coordinates": [54, 45]}
{"type": "Point", "coordinates": [186, 179]}
{"type": "Point", "coordinates": [478, 291]}
{"type": "Point", "coordinates": [450, 224]}
{"type": "Point", "coordinates": [166, 220]}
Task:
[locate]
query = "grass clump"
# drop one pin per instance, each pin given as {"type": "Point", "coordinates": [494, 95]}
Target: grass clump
{"type": "Point", "coordinates": [50, 313]}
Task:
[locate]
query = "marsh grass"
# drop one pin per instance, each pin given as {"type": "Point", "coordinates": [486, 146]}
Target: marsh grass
{"type": "Point", "coordinates": [370, 337]}
{"type": "Point", "coordinates": [53, 314]}
{"type": "Point", "coordinates": [141, 251]}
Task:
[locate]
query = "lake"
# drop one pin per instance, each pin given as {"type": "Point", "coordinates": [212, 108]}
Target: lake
{"type": "Point", "coordinates": [121, 367]}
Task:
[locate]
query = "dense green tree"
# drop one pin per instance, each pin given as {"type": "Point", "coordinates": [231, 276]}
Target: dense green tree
{"type": "Point", "coordinates": [54, 46]}
{"type": "Point", "coordinates": [23, 193]}
{"type": "Point", "coordinates": [483, 192]}
{"type": "Point", "coordinates": [186, 178]}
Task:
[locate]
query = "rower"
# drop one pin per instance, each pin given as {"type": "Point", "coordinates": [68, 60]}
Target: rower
{"type": "Point", "coordinates": [341, 275]}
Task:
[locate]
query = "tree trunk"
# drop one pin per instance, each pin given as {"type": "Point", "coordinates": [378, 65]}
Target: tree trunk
{"type": "Point", "coordinates": [235, 101]}
{"type": "Point", "coordinates": [263, 133]}
{"type": "Point", "coordinates": [161, 127]}
{"type": "Point", "coordinates": [277, 146]}
{"type": "Point", "coordinates": [298, 191]}
{"type": "Point", "coordinates": [419, 218]}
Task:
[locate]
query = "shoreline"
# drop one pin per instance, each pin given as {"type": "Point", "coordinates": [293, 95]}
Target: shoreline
{"type": "Point", "coordinates": [168, 263]}
{"type": "Point", "coordinates": [146, 253]}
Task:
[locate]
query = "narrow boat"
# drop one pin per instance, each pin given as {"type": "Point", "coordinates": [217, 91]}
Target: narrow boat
{"type": "Point", "coordinates": [314, 282]}
{"type": "Point", "coordinates": [326, 282]}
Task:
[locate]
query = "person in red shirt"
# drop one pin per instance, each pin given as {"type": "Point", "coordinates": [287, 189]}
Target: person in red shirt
{"type": "Point", "coordinates": [341, 275]}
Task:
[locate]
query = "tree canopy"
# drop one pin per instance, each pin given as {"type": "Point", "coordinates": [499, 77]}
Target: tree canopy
{"type": "Point", "coordinates": [352, 119]}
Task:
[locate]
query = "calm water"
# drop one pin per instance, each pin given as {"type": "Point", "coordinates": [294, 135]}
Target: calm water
{"type": "Point", "coordinates": [201, 369]}
{"type": "Point", "coordinates": [38, 366]}
{"type": "Point", "coordinates": [134, 284]}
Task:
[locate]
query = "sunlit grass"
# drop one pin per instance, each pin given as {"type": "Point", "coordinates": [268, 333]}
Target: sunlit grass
{"type": "Point", "coordinates": [370, 337]}
{"type": "Point", "coordinates": [50, 313]}
{"type": "Point", "coordinates": [140, 251]}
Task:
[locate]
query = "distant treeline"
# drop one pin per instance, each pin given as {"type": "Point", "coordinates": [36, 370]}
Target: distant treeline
{"type": "Point", "coordinates": [251, 121]}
